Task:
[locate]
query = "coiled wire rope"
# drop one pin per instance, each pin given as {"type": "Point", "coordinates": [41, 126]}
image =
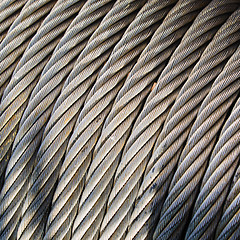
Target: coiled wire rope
{"type": "Point", "coordinates": [181, 113]}
{"type": "Point", "coordinates": [18, 37]}
{"type": "Point", "coordinates": [94, 144]}
{"type": "Point", "coordinates": [222, 165]}
{"type": "Point", "coordinates": [123, 111]}
{"type": "Point", "coordinates": [28, 138]}
{"type": "Point", "coordinates": [194, 157]}
{"type": "Point", "coordinates": [228, 226]}
{"type": "Point", "coordinates": [128, 174]}
{"type": "Point", "coordinates": [109, 80]}
{"type": "Point", "coordinates": [11, 49]}
{"type": "Point", "coordinates": [9, 10]}
{"type": "Point", "coordinates": [52, 148]}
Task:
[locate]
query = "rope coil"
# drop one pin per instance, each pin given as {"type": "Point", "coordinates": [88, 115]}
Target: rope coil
{"type": "Point", "coordinates": [117, 119]}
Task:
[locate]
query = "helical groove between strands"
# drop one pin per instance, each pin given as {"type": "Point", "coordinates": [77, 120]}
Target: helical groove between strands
{"type": "Point", "coordinates": [145, 213]}
{"type": "Point", "coordinates": [52, 148]}
{"type": "Point", "coordinates": [216, 181]}
{"type": "Point", "coordinates": [9, 10]}
{"type": "Point", "coordinates": [109, 82]}
{"type": "Point", "coordinates": [28, 138]}
{"type": "Point", "coordinates": [13, 101]}
{"type": "Point", "coordinates": [18, 37]}
{"type": "Point", "coordinates": [138, 147]}
{"type": "Point", "coordinates": [199, 145]}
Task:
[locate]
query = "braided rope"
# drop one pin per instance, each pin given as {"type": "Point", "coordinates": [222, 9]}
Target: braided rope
{"type": "Point", "coordinates": [146, 212]}
{"type": "Point", "coordinates": [138, 147]}
{"type": "Point", "coordinates": [100, 98]}
{"type": "Point", "coordinates": [11, 49]}
{"type": "Point", "coordinates": [193, 159]}
{"type": "Point", "coordinates": [18, 38]}
{"type": "Point", "coordinates": [228, 227]}
{"type": "Point", "coordinates": [215, 184]}
{"type": "Point", "coordinates": [55, 137]}
{"type": "Point", "coordinates": [9, 11]}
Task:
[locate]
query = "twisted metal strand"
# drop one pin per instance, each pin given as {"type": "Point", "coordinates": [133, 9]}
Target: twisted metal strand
{"type": "Point", "coordinates": [228, 226]}
{"type": "Point", "coordinates": [38, 110]}
{"type": "Point", "coordinates": [9, 11]}
{"type": "Point", "coordinates": [160, 100]}
{"type": "Point", "coordinates": [194, 158]}
{"type": "Point", "coordinates": [138, 147]}
{"type": "Point", "coordinates": [216, 181]}
{"type": "Point", "coordinates": [103, 92]}
{"type": "Point", "coordinates": [13, 100]}
{"type": "Point", "coordinates": [18, 38]}
{"type": "Point", "coordinates": [55, 137]}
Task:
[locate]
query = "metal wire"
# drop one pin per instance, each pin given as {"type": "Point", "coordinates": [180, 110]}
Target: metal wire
{"type": "Point", "coordinates": [24, 79]}
{"type": "Point", "coordinates": [9, 11]}
{"type": "Point", "coordinates": [194, 157]}
{"type": "Point", "coordinates": [18, 38]}
{"type": "Point", "coordinates": [138, 147]}
{"type": "Point", "coordinates": [146, 212]}
{"type": "Point", "coordinates": [216, 181]}
{"type": "Point", "coordinates": [55, 138]}
{"type": "Point", "coordinates": [110, 80]}
{"type": "Point", "coordinates": [228, 227]}
{"type": "Point", "coordinates": [12, 103]}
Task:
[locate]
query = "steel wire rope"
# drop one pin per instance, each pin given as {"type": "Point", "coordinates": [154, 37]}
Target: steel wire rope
{"type": "Point", "coordinates": [162, 97]}
{"type": "Point", "coordinates": [103, 92]}
{"type": "Point", "coordinates": [128, 174]}
{"type": "Point", "coordinates": [109, 146]}
{"type": "Point", "coordinates": [36, 114]}
{"type": "Point", "coordinates": [194, 157]}
{"type": "Point", "coordinates": [32, 123]}
{"type": "Point", "coordinates": [9, 10]}
{"type": "Point", "coordinates": [11, 50]}
{"type": "Point", "coordinates": [52, 149]}
{"type": "Point", "coordinates": [228, 226]}
{"type": "Point", "coordinates": [217, 179]}
{"type": "Point", "coordinates": [18, 37]}
{"type": "Point", "coordinates": [153, 189]}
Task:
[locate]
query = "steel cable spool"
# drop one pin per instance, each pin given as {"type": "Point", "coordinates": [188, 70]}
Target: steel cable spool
{"type": "Point", "coordinates": [9, 10]}
{"type": "Point", "coordinates": [11, 49]}
{"type": "Point", "coordinates": [158, 103]}
{"type": "Point", "coordinates": [194, 157]}
{"type": "Point", "coordinates": [54, 142]}
{"type": "Point", "coordinates": [214, 187]}
{"type": "Point", "coordinates": [228, 226]}
{"type": "Point", "coordinates": [28, 138]}
{"type": "Point", "coordinates": [138, 147]}
{"type": "Point", "coordinates": [108, 83]}
{"type": "Point", "coordinates": [181, 113]}
{"type": "Point", "coordinates": [18, 37]}
{"type": "Point", "coordinates": [38, 111]}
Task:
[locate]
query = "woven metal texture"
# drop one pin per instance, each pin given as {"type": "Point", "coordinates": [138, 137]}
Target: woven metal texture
{"type": "Point", "coordinates": [119, 119]}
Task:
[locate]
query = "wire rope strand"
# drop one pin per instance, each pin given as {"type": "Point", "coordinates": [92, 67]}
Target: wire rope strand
{"type": "Point", "coordinates": [147, 209]}
{"type": "Point", "coordinates": [217, 179]}
{"type": "Point", "coordinates": [11, 49]}
{"type": "Point", "coordinates": [194, 157]}
{"type": "Point", "coordinates": [228, 226]}
{"type": "Point", "coordinates": [102, 94]}
{"type": "Point", "coordinates": [32, 122]}
{"type": "Point", "coordinates": [138, 147]}
{"type": "Point", "coordinates": [9, 11]}
{"type": "Point", "coordinates": [18, 37]}
{"type": "Point", "coordinates": [54, 143]}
